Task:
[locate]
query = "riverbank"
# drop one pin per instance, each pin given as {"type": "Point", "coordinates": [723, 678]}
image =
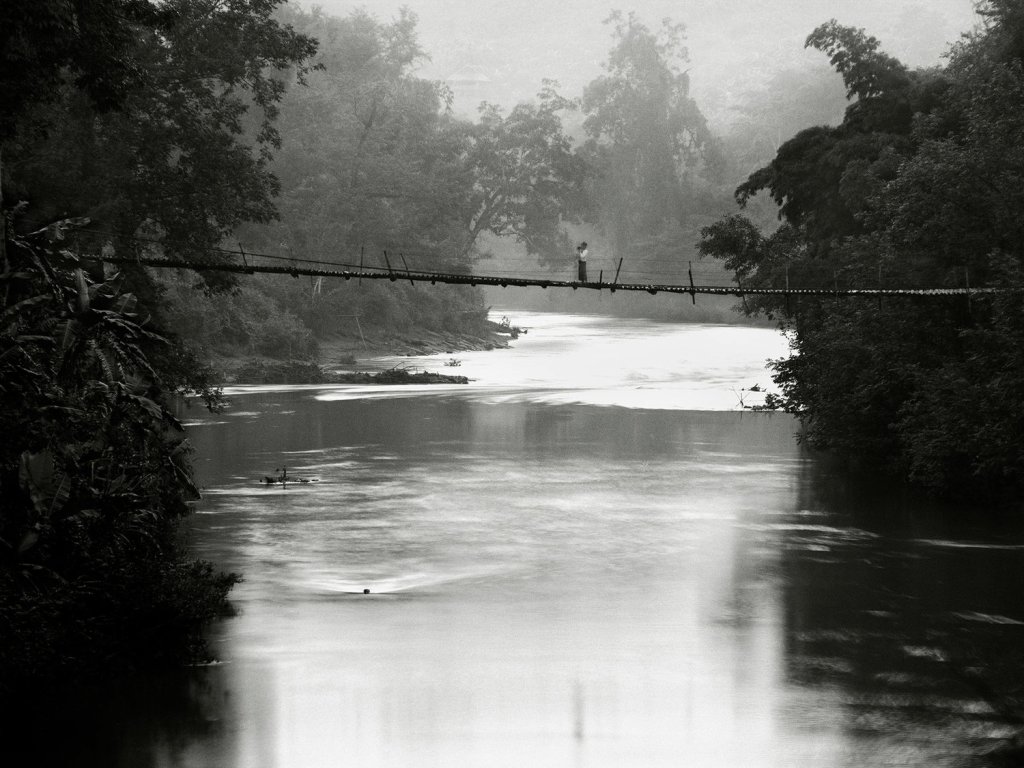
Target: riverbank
{"type": "Point", "coordinates": [416, 342]}
{"type": "Point", "coordinates": [345, 359]}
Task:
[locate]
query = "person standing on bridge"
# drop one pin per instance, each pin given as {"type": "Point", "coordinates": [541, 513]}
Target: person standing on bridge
{"type": "Point", "coordinates": [581, 258]}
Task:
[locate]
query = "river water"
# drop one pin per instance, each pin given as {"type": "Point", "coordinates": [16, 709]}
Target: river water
{"type": "Point", "coordinates": [588, 556]}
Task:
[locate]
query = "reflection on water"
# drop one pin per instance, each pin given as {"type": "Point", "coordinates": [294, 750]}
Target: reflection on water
{"type": "Point", "coordinates": [549, 585]}
{"type": "Point", "coordinates": [556, 581]}
{"type": "Point", "coordinates": [593, 360]}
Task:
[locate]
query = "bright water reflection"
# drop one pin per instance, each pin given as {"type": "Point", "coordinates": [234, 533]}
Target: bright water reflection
{"type": "Point", "coordinates": [560, 578]}
{"type": "Point", "coordinates": [549, 586]}
{"type": "Point", "coordinates": [570, 359]}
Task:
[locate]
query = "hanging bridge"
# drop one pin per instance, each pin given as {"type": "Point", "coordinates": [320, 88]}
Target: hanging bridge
{"type": "Point", "coordinates": [257, 264]}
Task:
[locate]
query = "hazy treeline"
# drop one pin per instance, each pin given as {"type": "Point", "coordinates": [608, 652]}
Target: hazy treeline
{"type": "Point", "coordinates": [372, 160]}
{"type": "Point", "coordinates": [920, 185]}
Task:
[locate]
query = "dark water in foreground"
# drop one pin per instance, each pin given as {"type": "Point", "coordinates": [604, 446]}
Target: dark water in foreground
{"type": "Point", "coordinates": [583, 559]}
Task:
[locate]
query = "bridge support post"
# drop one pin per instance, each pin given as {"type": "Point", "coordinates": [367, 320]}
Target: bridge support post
{"type": "Point", "coordinates": [407, 269]}
{"type": "Point", "coordinates": [390, 271]}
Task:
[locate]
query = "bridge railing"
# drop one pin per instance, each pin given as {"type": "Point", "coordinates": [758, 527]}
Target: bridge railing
{"type": "Point", "coordinates": [245, 263]}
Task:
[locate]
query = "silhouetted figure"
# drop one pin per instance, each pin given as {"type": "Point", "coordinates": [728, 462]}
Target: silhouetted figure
{"type": "Point", "coordinates": [581, 257]}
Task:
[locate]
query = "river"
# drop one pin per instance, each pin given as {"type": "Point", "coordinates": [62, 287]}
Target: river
{"type": "Point", "coordinates": [589, 556]}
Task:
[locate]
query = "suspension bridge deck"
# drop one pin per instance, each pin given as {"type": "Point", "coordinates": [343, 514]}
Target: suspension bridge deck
{"type": "Point", "coordinates": [296, 269]}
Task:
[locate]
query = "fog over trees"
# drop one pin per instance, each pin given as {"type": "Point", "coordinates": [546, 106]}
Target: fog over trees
{"type": "Point", "coordinates": [502, 50]}
{"type": "Point", "coordinates": [747, 74]}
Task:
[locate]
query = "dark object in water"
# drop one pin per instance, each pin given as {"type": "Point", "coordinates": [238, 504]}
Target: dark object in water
{"type": "Point", "coordinates": [366, 591]}
{"type": "Point", "coordinates": [283, 478]}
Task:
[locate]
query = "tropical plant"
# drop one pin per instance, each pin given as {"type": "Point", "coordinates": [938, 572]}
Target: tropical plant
{"type": "Point", "coordinates": [94, 479]}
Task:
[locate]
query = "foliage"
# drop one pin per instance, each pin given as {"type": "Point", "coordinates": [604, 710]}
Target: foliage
{"type": "Point", "coordinates": [139, 127]}
{"type": "Point", "coordinates": [788, 102]}
{"type": "Point", "coordinates": [243, 320]}
{"type": "Point", "coordinates": [369, 164]}
{"type": "Point", "coordinates": [921, 185]}
{"type": "Point", "coordinates": [279, 372]}
{"type": "Point", "coordinates": [362, 144]}
{"type": "Point", "coordinates": [183, 159]}
{"type": "Point", "coordinates": [526, 179]}
{"type": "Point", "coordinates": [376, 172]}
{"type": "Point", "coordinates": [649, 144]}
{"type": "Point", "coordinates": [94, 479]}
{"type": "Point", "coordinates": [44, 41]}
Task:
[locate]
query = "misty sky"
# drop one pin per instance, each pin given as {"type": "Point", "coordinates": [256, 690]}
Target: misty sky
{"type": "Point", "coordinates": [734, 44]}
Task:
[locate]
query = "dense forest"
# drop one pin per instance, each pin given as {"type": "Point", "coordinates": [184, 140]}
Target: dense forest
{"type": "Point", "coordinates": [373, 160]}
{"type": "Point", "coordinates": [351, 155]}
{"type": "Point", "coordinates": [920, 186]}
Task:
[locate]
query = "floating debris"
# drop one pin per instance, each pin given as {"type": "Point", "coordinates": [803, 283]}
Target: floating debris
{"type": "Point", "coordinates": [283, 478]}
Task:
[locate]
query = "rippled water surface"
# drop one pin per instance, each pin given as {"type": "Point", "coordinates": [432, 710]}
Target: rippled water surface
{"type": "Point", "coordinates": [589, 556]}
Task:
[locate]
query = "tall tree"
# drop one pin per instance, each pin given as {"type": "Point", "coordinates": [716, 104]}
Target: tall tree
{"type": "Point", "coordinates": [919, 186]}
{"type": "Point", "coordinates": [373, 161]}
{"type": "Point", "coordinates": [368, 162]}
{"type": "Point", "coordinates": [788, 102]}
{"type": "Point", "coordinates": [44, 43]}
{"type": "Point", "coordinates": [526, 180]}
{"type": "Point", "coordinates": [183, 160]}
{"type": "Point", "coordinates": [649, 142]}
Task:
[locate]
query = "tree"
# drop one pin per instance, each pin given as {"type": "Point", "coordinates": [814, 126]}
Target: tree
{"type": "Point", "coordinates": [789, 102]}
{"type": "Point", "coordinates": [182, 160]}
{"type": "Point", "coordinates": [132, 125]}
{"type": "Point", "coordinates": [526, 179]}
{"type": "Point", "coordinates": [361, 146]}
{"type": "Point", "coordinates": [919, 186]}
{"type": "Point", "coordinates": [370, 164]}
{"type": "Point", "coordinates": [46, 41]}
{"type": "Point", "coordinates": [373, 162]}
{"type": "Point", "coordinates": [826, 179]}
{"type": "Point", "coordinates": [649, 143]}
{"type": "Point", "coordinates": [94, 478]}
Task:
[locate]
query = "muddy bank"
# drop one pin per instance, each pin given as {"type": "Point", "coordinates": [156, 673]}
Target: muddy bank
{"type": "Point", "coordinates": [306, 372]}
{"type": "Point", "coordinates": [416, 342]}
{"type": "Point", "coordinates": [342, 358]}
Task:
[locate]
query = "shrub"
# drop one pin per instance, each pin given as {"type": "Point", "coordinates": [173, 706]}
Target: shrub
{"type": "Point", "coordinates": [94, 481]}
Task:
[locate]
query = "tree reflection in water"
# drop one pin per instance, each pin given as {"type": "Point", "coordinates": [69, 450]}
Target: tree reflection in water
{"type": "Point", "coordinates": [911, 615]}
